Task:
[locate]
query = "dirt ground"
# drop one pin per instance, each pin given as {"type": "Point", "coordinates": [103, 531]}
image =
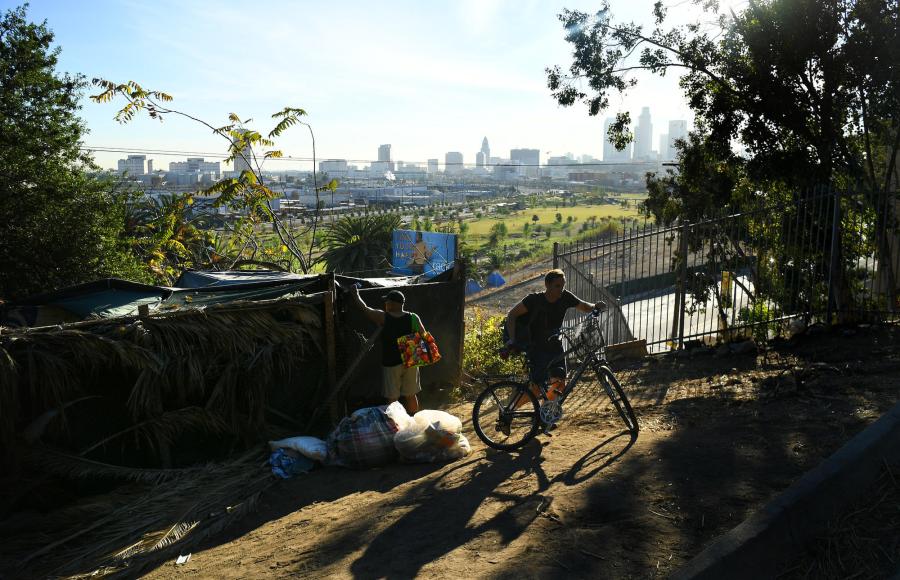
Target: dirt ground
{"type": "Point", "coordinates": [719, 438]}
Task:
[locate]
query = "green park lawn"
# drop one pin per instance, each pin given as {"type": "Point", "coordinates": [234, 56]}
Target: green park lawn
{"type": "Point", "coordinates": [547, 216]}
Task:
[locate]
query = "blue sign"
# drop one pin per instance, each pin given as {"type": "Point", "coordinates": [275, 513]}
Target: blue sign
{"type": "Point", "coordinates": [428, 253]}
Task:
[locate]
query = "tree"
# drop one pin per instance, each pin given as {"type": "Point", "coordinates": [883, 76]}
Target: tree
{"type": "Point", "coordinates": [360, 246]}
{"type": "Point", "coordinates": [59, 225]}
{"type": "Point", "coordinates": [535, 218]}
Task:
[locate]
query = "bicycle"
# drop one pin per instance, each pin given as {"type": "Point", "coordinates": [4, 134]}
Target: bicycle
{"type": "Point", "coordinates": [504, 421]}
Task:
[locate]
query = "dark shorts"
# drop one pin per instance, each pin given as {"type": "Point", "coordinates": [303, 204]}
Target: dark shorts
{"type": "Point", "coordinates": [540, 371]}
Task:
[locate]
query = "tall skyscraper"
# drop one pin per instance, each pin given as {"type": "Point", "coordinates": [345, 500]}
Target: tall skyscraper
{"type": "Point", "coordinates": [677, 130]}
{"type": "Point", "coordinates": [453, 162]}
{"type": "Point", "coordinates": [243, 161]}
{"type": "Point", "coordinates": [530, 159]}
{"type": "Point", "coordinates": [479, 159]}
{"type": "Point", "coordinates": [384, 152]}
{"type": "Point", "coordinates": [664, 154]}
{"type": "Point", "coordinates": [610, 154]}
{"type": "Point", "coordinates": [486, 149]}
{"type": "Point", "coordinates": [433, 166]}
{"type": "Point", "coordinates": [643, 136]}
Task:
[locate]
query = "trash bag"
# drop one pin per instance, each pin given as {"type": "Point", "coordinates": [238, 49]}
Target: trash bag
{"type": "Point", "coordinates": [364, 439]}
{"type": "Point", "coordinates": [397, 413]}
{"type": "Point", "coordinates": [311, 447]}
{"type": "Point", "coordinates": [432, 436]}
{"type": "Point", "coordinates": [286, 463]}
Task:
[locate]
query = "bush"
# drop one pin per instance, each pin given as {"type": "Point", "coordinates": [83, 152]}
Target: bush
{"type": "Point", "coordinates": [760, 316]}
{"type": "Point", "coordinates": [481, 351]}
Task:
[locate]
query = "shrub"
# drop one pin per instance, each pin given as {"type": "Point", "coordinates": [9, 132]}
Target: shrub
{"type": "Point", "coordinates": [481, 351]}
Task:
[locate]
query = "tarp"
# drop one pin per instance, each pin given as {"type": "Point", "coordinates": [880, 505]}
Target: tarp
{"type": "Point", "coordinates": [112, 297]}
{"type": "Point", "coordinates": [495, 279]}
{"type": "Point", "coordinates": [472, 286]}
{"type": "Point", "coordinates": [422, 253]}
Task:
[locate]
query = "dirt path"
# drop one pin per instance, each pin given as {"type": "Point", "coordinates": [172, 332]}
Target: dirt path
{"type": "Point", "coordinates": [719, 438]}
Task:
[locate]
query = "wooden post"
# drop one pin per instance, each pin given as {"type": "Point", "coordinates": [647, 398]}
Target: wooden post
{"type": "Point", "coordinates": [335, 406]}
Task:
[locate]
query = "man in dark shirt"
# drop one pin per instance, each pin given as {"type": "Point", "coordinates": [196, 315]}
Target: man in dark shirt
{"type": "Point", "coordinates": [546, 311]}
{"type": "Point", "coordinates": [398, 382]}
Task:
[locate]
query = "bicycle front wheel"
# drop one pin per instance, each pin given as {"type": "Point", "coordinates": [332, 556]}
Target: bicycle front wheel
{"type": "Point", "coordinates": [619, 400]}
{"type": "Point", "coordinates": [506, 415]}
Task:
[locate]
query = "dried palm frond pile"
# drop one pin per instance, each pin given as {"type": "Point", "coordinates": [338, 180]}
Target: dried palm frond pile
{"type": "Point", "coordinates": [142, 414]}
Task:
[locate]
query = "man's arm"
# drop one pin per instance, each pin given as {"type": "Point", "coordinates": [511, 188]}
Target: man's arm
{"type": "Point", "coordinates": [419, 320]}
{"type": "Point", "coordinates": [373, 314]}
{"type": "Point", "coordinates": [517, 311]}
{"type": "Point", "coordinates": [587, 307]}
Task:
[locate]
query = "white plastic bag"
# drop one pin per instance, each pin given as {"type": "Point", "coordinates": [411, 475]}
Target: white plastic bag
{"type": "Point", "coordinates": [311, 447]}
{"type": "Point", "coordinates": [440, 419]}
{"type": "Point", "coordinates": [397, 413]}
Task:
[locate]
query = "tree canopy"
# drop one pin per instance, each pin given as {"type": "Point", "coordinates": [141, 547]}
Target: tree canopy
{"type": "Point", "coordinates": [790, 92]}
{"type": "Point", "coordinates": [60, 226]}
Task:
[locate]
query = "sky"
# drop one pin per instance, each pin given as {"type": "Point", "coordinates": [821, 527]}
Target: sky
{"type": "Point", "coordinates": [426, 77]}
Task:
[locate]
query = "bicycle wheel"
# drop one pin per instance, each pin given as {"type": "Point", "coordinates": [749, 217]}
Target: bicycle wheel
{"type": "Point", "coordinates": [619, 400]}
{"type": "Point", "coordinates": [506, 416]}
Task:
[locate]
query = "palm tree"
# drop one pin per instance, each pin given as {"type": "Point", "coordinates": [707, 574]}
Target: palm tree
{"type": "Point", "coordinates": [360, 245]}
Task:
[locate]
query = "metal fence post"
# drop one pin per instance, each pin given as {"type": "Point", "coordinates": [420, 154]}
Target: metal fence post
{"type": "Point", "coordinates": [833, 279]}
{"type": "Point", "coordinates": [555, 255]}
{"type": "Point", "coordinates": [682, 285]}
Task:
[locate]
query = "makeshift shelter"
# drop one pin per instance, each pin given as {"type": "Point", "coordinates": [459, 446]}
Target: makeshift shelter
{"type": "Point", "coordinates": [495, 279]}
{"type": "Point", "coordinates": [473, 287]}
{"type": "Point", "coordinates": [114, 381]}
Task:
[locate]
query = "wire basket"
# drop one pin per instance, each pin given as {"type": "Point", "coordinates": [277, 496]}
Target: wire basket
{"type": "Point", "coordinates": [588, 339]}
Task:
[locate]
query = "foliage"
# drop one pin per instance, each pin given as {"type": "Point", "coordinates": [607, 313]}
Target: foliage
{"type": "Point", "coordinates": [481, 349]}
{"type": "Point", "coordinates": [360, 245]}
{"type": "Point", "coordinates": [247, 194]}
{"type": "Point", "coordinates": [760, 315]}
{"type": "Point", "coordinates": [60, 225]}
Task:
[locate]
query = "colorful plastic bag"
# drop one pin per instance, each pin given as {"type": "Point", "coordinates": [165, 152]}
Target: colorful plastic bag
{"type": "Point", "coordinates": [418, 349]}
{"type": "Point", "coordinates": [364, 439]}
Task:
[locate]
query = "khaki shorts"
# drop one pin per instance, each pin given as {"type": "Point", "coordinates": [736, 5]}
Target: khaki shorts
{"type": "Point", "coordinates": [400, 381]}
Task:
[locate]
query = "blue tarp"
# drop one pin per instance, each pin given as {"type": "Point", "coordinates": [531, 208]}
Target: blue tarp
{"type": "Point", "coordinates": [495, 279]}
{"type": "Point", "coordinates": [472, 286]}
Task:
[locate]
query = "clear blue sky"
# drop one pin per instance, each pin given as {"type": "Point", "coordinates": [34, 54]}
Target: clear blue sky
{"type": "Point", "coordinates": [426, 77]}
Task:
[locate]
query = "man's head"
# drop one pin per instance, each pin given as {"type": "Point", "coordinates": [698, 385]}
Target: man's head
{"type": "Point", "coordinates": [555, 282]}
{"type": "Point", "coordinates": [393, 301]}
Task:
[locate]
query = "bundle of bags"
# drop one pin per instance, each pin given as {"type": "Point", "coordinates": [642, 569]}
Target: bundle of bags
{"type": "Point", "coordinates": [376, 436]}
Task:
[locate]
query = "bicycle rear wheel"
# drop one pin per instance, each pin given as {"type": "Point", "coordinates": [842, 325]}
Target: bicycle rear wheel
{"type": "Point", "coordinates": [619, 400]}
{"type": "Point", "coordinates": [506, 415]}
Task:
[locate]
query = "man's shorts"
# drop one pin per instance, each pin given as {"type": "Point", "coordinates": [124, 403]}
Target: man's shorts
{"type": "Point", "coordinates": [543, 364]}
{"type": "Point", "coordinates": [400, 381]}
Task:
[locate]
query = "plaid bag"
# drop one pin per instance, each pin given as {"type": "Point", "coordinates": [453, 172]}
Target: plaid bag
{"type": "Point", "coordinates": [364, 439]}
{"type": "Point", "coordinates": [418, 349]}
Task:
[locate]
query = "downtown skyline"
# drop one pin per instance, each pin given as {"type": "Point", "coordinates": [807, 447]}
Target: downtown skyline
{"type": "Point", "coordinates": [365, 76]}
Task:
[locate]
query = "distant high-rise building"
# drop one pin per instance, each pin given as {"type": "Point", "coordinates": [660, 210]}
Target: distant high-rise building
{"type": "Point", "coordinates": [610, 153]}
{"type": "Point", "coordinates": [643, 136]}
{"type": "Point", "coordinates": [334, 167]}
{"type": "Point", "coordinates": [133, 165]}
{"type": "Point", "coordinates": [433, 166]}
{"type": "Point", "coordinates": [244, 160]}
{"type": "Point", "coordinates": [453, 162]}
{"type": "Point", "coordinates": [486, 149]}
{"type": "Point", "coordinates": [529, 159]}
{"type": "Point", "coordinates": [479, 159]}
{"type": "Point", "coordinates": [677, 130]}
{"type": "Point", "coordinates": [664, 147]}
{"type": "Point", "coordinates": [149, 166]}
{"type": "Point", "coordinates": [384, 152]}
{"type": "Point", "coordinates": [195, 165]}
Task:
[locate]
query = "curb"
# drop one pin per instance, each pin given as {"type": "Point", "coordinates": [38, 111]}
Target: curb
{"type": "Point", "coordinates": [756, 547]}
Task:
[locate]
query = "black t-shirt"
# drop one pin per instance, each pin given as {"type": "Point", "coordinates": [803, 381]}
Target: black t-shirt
{"type": "Point", "coordinates": [545, 318]}
{"type": "Point", "coordinates": [394, 328]}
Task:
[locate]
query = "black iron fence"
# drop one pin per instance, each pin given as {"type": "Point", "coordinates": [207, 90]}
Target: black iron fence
{"type": "Point", "coordinates": [773, 268]}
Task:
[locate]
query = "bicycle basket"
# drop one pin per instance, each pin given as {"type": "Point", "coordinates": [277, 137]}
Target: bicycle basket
{"type": "Point", "coordinates": [588, 339]}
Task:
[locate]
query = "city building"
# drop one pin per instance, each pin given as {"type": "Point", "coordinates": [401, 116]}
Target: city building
{"type": "Point", "coordinates": [664, 154]}
{"type": "Point", "coordinates": [610, 153]}
{"type": "Point", "coordinates": [243, 161]}
{"type": "Point", "coordinates": [195, 165]}
{"type": "Point", "coordinates": [486, 149]}
{"type": "Point", "coordinates": [384, 152]}
{"type": "Point", "coordinates": [334, 168]}
{"type": "Point", "coordinates": [643, 136]}
{"type": "Point", "coordinates": [529, 159]}
{"type": "Point", "coordinates": [453, 162]}
{"type": "Point", "coordinates": [433, 166]}
{"type": "Point", "coordinates": [479, 159]}
{"type": "Point", "coordinates": [134, 165]}
{"type": "Point", "coordinates": [677, 130]}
